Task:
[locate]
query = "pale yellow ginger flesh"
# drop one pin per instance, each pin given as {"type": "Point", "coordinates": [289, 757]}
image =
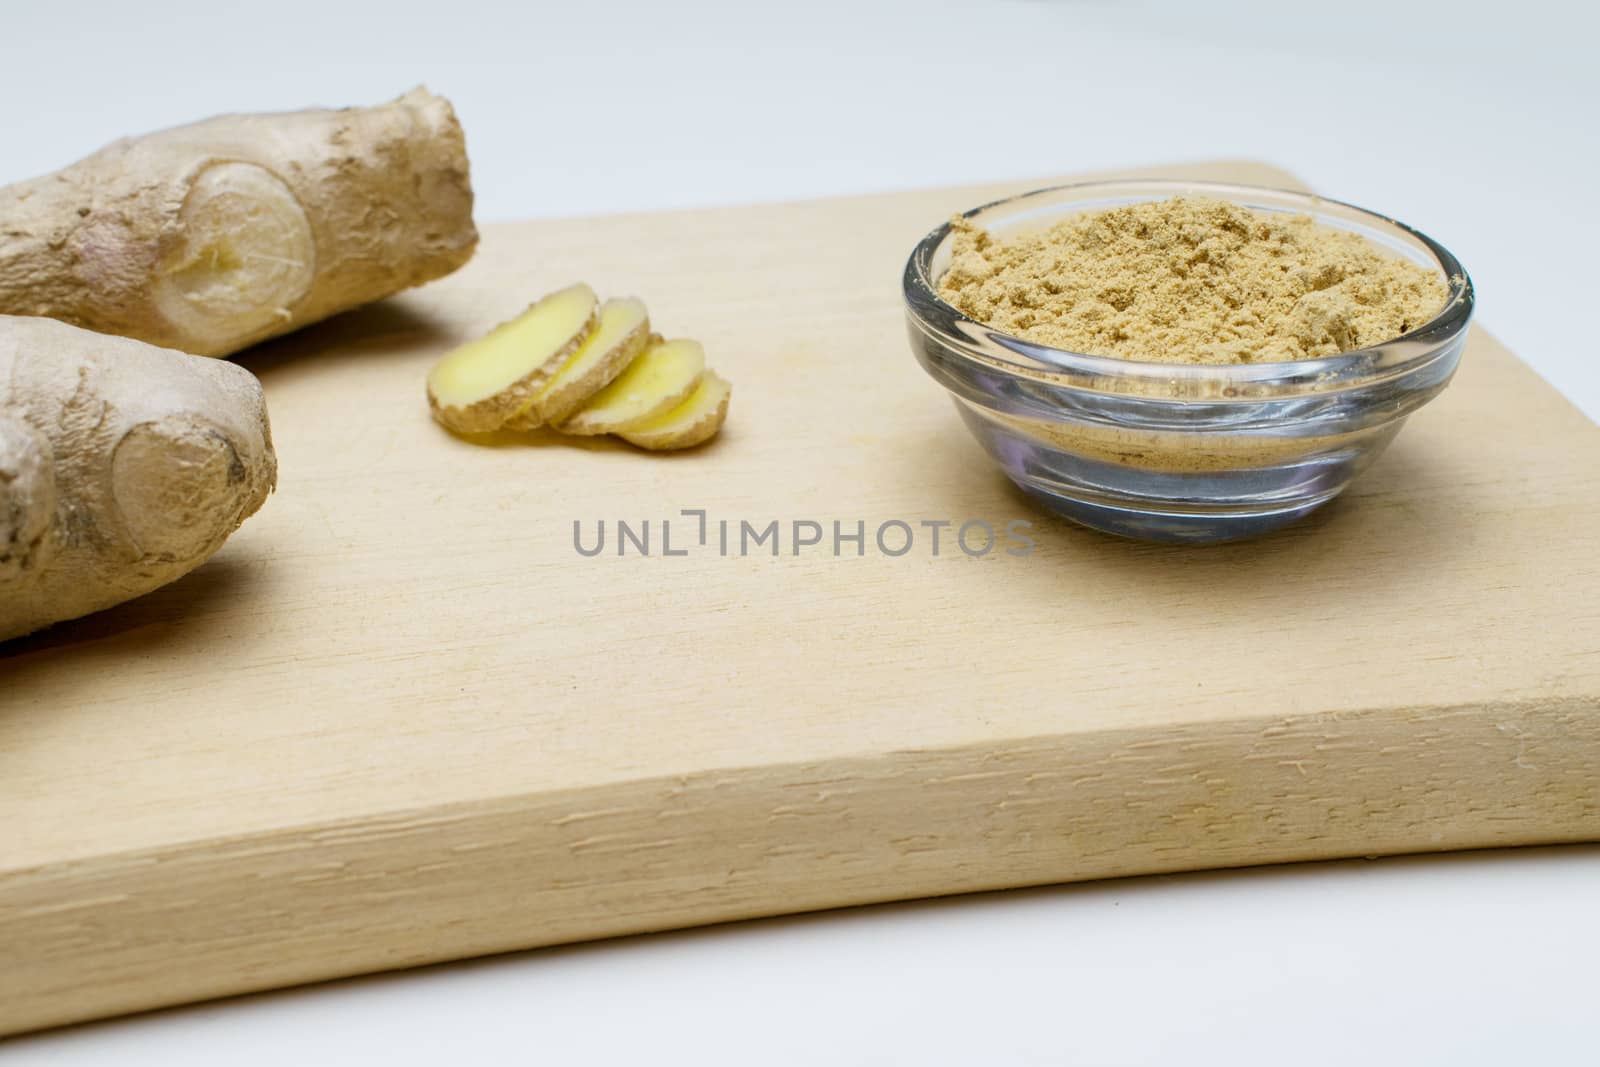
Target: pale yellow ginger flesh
{"type": "Point", "coordinates": [245, 254]}
{"type": "Point", "coordinates": [123, 466]}
{"type": "Point", "coordinates": [564, 364]}
{"type": "Point", "coordinates": [694, 421]}
{"type": "Point", "coordinates": [211, 237]}
{"type": "Point", "coordinates": [659, 380]}
{"type": "Point", "coordinates": [479, 386]}
{"type": "Point", "coordinates": [621, 331]}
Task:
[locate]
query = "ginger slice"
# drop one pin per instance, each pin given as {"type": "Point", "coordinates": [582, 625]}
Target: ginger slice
{"type": "Point", "coordinates": [621, 331]}
{"type": "Point", "coordinates": [692, 422]}
{"type": "Point", "coordinates": [481, 384]}
{"type": "Point", "coordinates": [655, 383]}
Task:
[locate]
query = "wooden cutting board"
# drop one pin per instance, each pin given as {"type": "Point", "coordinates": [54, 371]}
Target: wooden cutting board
{"type": "Point", "coordinates": [399, 719]}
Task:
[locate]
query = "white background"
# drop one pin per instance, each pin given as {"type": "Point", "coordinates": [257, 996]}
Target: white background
{"type": "Point", "coordinates": [1476, 123]}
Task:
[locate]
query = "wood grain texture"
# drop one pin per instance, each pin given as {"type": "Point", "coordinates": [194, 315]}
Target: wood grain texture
{"type": "Point", "coordinates": [398, 719]}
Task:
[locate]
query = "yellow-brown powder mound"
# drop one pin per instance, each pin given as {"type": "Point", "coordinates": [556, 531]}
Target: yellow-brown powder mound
{"type": "Point", "coordinates": [1190, 280]}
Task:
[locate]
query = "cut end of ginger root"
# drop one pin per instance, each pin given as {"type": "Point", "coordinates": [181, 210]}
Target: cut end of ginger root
{"type": "Point", "coordinates": [244, 254]}
{"type": "Point", "coordinates": [582, 370]}
{"type": "Point", "coordinates": [479, 386]}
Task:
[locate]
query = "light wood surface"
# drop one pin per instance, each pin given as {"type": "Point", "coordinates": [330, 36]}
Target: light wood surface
{"type": "Point", "coordinates": [398, 719]}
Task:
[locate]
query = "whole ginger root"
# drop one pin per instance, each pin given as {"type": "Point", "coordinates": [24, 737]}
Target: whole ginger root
{"type": "Point", "coordinates": [122, 467]}
{"type": "Point", "coordinates": [214, 236]}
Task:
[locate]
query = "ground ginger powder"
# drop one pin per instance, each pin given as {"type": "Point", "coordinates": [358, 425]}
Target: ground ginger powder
{"type": "Point", "coordinates": [1189, 280]}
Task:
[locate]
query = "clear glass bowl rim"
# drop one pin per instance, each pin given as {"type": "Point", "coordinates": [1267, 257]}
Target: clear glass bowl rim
{"type": "Point", "coordinates": [1078, 370]}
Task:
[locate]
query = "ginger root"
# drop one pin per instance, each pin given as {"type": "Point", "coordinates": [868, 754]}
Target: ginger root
{"type": "Point", "coordinates": [122, 467]}
{"type": "Point", "coordinates": [214, 236]}
{"type": "Point", "coordinates": [561, 363]}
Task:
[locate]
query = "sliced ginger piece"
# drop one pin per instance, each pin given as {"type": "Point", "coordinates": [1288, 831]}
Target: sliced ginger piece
{"type": "Point", "coordinates": [692, 422]}
{"type": "Point", "coordinates": [621, 330]}
{"type": "Point", "coordinates": [481, 384]}
{"type": "Point", "coordinates": [655, 383]}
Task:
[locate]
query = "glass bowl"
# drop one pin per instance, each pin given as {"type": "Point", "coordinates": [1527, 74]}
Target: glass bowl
{"type": "Point", "coordinates": [1180, 452]}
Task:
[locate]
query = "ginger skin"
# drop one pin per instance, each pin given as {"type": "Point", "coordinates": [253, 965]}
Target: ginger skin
{"type": "Point", "coordinates": [122, 467]}
{"type": "Point", "coordinates": [214, 236]}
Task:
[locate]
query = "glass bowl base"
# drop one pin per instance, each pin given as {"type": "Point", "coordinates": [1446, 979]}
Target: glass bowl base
{"type": "Point", "coordinates": [1144, 524]}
